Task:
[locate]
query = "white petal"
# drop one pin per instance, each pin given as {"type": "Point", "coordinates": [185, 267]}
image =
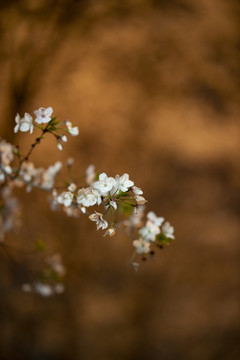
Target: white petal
{"type": "Point", "coordinates": [16, 128]}
{"type": "Point", "coordinates": [24, 127]}
{"type": "Point", "coordinates": [49, 111]}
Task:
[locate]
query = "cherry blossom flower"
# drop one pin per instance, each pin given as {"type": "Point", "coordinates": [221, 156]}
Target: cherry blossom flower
{"type": "Point", "coordinates": [23, 124]}
{"type": "Point", "coordinates": [72, 187]}
{"type": "Point", "coordinates": [157, 221]}
{"type": "Point", "coordinates": [142, 247]}
{"type": "Point", "coordinates": [105, 184]}
{"type": "Point", "coordinates": [168, 230]}
{"type": "Point", "coordinates": [72, 130]}
{"type": "Point", "coordinates": [100, 222]}
{"type": "Point", "coordinates": [123, 183]}
{"type": "Point", "coordinates": [43, 115]}
{"type": "Point", "coordinates": [149, 231]}
{"type": "Point", "coordinates": [89, 197]}
{"type": "Point", "coordinates": [65, 198]}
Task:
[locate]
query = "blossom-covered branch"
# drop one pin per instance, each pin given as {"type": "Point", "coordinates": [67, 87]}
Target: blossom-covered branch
{"type": "Point", "coordinates": [113, 203]}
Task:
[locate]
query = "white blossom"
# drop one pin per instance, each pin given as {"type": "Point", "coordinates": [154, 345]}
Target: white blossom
{"type": "Point", "coordinates": [104, 184]}
{"type": "Point", "coordinates": [72, 187]}
{"type": "Point", "coordinates": [23, 124]}
{"type": "Point", "coordinates": [89, 197]}
{"type": "Point", "coordinates": [43, 115]}
{"type": "Point", "coordinates": [100, 222]}
{"type": "Point", "coordinates": [168, 230]}
{"type": "Point", "coordinates": [27, 171]}
{"type": "Point", "coordinates": [157, 221]}
{"type": "Point", "coordinates": [65, 198]}
{"type": "Point", "coordinates": [72, 130]}
{"type": "Point", "coordinates": [149, 231]}
{"type": "Point", "coordinates": [142, 247]}
{"type": "Point", "coordinates": [123, 183]}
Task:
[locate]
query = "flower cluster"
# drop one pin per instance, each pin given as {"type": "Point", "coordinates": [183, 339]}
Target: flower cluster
{"type": "Point", "coordinates": [153, 232]}
{"type": "Point", "coordinates": [111, 202]}
{"type": "Point", "coordinates": [49, 280]}
{"type": "Point", "coordinates": [44, 116]}
{"type": "Point", "coordinates": [6, 157]}
{"type": "Point", "coordinates": [111, 192]}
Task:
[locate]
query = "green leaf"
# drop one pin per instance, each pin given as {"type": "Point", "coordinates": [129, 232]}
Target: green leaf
{"type": "Point", "coordinates": [125, 209]}
{"type": "Point", "coordinates": [163, 239]}
{"type": "Point", "coordinates": [121, 193]}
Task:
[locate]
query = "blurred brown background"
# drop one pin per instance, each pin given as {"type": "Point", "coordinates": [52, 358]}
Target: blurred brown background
{"type": "Point", "coordinates": [154, 87]}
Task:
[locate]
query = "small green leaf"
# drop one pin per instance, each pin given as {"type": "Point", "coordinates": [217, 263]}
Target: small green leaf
{"type": "Point", "coordinates": [163, 239]}
{"type": "Point", "coordinates": [125, 209]}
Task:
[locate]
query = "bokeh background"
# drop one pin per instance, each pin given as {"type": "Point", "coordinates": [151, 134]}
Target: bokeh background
{"type": "Point", "coordinates": [154, 87]}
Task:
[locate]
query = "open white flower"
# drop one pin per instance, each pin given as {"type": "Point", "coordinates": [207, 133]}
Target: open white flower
{"type": "Point", "coordinates": [157, 221]}
{"type": "Point", "coordinates": [168, 230]}
{"type": "Point", "coordinates": [72, 187]}
{"type": "Point", "coordinates": [43, 115]}
{"type": "Point", "coordinates": [23, 124]}
{"type": "Point", "coordinates": [65, 198]}
{"type": "Point", "coordinates": [100, 222]}
{"type": "Point", "coordinates": [105, 184]}
{"type": "Point", "coordinates": [72, 130]}
{"type": "Point", "coordinates": [149, 231]}
{"type": "Point", "coordinates": [89, 197]}
{"type": "Point", "coordinates": [123, 183]}
{"type": "Point", "coordinates": [142, 247]}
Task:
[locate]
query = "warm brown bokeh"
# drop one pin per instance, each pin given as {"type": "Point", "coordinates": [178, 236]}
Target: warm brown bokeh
{"type": "Point", "coordinates": [154, 87]}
